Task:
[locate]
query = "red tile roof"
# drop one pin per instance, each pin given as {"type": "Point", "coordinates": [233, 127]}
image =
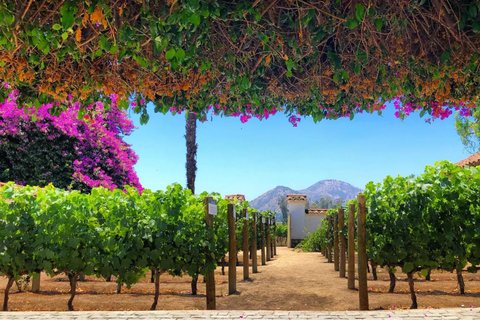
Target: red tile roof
{"type": "Point", "coordinates": [234, 197]}
{"type": "Point", "coordinates": [317, 211]}
{"type": "Point", "coordinates": [296, 197]}
{"type": "Point", "coordinates": [472, 161]}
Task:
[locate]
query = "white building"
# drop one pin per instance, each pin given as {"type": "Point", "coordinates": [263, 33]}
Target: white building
{"type": "Point", "coordinates": [303, 221]}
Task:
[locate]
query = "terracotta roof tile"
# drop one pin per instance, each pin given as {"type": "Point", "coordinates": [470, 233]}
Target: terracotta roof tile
{"type": "Point", "coordinates": [317, 211]}
{"type": "Point", "coordinates": [296, 197]}
{"type": "Point", "coordinates": [234, 197]}
{"type": "Point", "coordinates": [472, 161]}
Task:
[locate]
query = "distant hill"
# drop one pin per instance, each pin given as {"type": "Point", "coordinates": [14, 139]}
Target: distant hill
{"type": "Point", "coordinates": [325, 188]}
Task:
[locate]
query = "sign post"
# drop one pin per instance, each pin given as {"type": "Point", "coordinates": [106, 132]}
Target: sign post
{"type": "Point", "coordinates": [245, 244]}
{"type": "Point", "coordinates": [210, 210]}
{"type": "Point", "coordinates": [254, 244]}
{"type": "Point", "coordinates": [232, 251]}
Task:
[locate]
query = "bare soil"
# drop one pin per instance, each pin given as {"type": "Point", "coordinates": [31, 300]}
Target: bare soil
{"type": "Point", "coordinates": [291, 281]}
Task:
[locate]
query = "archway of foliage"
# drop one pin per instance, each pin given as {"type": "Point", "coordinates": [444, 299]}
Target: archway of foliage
{"type": "Point", "coordinates": [68, 150]}
{"type": "Point", "coordinates": [248, 58]}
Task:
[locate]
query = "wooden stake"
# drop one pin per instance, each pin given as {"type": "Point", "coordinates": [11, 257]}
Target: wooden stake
{"type": "Point", "coordinates": [232, 251]}
{"type": "Point", "coordinates": [329, 246]}
{"type": "Point", "coordinates": [245, 246]}
{"type": "Point", "coordinates": [272, 238]}
{"type": "Point", "coordinates": [264, 260]}
{"type": "Point", "coordinates": [254, 244]}
{"type": "Point", "coordinates": [351, 246]}
{"type": "Point", "coordinates": [36, 284]}
{"type": "Point", "coordinates": [210, 277]}
{"type": "Point", "coordinates": [269, 248]}
{"type": "Point", "coordinates": [289, 231]}
{"type": "Point", "coordinates": [343, 256]}
{"type": "Point", "coordinates": [335, 242]}
{"type": "Point", "coordinates": [362, 253]}
{"type": "Point", "coordinates": [275, 236]}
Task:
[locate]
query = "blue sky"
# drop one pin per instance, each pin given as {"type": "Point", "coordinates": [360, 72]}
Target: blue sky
{"type": "Point", "coordinates": [254, 157]}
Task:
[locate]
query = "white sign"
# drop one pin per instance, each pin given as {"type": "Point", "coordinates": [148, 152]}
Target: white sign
{"type": "Point", "coordinates": [247, 214]}
{"type": "Point", "coordinates": [234, 212]}
{"type": "Point", "coordinates": [212, 208]}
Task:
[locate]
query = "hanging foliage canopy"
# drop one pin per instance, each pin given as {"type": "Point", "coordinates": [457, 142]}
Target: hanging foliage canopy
{"type": "Point", "coordinates": [325, 59]}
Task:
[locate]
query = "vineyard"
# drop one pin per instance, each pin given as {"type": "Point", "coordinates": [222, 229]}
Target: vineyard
{"type": "Point", "coordinates": [421, 226]}
{"type": "Point", "coordinates": [120, 234]}
{"type": "Point", "coordinates": [415, 224]}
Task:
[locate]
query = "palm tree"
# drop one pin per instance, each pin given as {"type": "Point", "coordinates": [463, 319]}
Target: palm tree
{"type": "Point", "coordinates": [191, 137]}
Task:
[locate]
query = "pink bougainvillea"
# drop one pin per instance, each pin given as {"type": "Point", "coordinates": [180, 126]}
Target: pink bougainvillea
{"type": "Point", "coordinates": [89, 148]}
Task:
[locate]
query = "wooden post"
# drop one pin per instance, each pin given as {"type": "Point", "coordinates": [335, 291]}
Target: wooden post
{"type": "Point", "coordinates": [362, 253]}
{"type": "Point", "coordinates": [329, 246]}
{"type": "Point", "coordinates": [262, 227]}
{"type": "Point", "coordinates": [36, 284]}
{"type": "Point", "coordinates": [232, 251]}
{"type": "Point", "coordinates": [275, 236]}
{"type": "Point", "coordinates": [245, 245]}
{"type": "Point", "coordinates": [269, 248]}
{"type": "Point", "coordinates": [351, 246]}
{"type": "Point", "coordinates": [343, 256]}
{"type": "Point", "coordinates": [254, 244]}
{"type": "Point", "coordinates": [336, 263]}
{"type": "Point", "coordinates": [289, 231]}
{"type": "Point", "coordinates": [210, 209]}
{"type": "Point", "coordinates": [272, 237]}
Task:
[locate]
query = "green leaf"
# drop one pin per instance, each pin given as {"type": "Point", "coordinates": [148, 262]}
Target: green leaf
{"type": "Point", "coordinates": [357, 68]}
{"type": "Point", "coordinates": [476, 26]}
{"type": "Point", "coordinates": [195, 18]}
{"type": "Point", "coordinates": [445, 56]}
{"type": "Point", "coordinates": [205, 13]}
{"type": "Point", "coordinates": [472, 11]}
{"type": "Point", "coordinates": [351, 23]}
{"type": "Point", "coordinates": [124, 104]}
{"type": "Point", "coordinates": [180, 54]}
{"type": "Point", "coordinates": [245, 82]}
{"type": "Point", "coordinates": [113, 49]}
{"type": "Point", "coordinates": [359, 12]}
{"type": "Point", "coordinates": [170, 53]}
{"type": "Point", "coordinates": [408, 267]}
{"type": "Point", "coordinates": [379, 24]}
{"type": "Point", "coordinates": [67, 17]}
{"type": "Point", "coordinates": [144, 118]}
{"type": "Point", "coordinates": [56, 27]}
{"type": "Point", "coordinates": [289, 73]}
{"type": "Point", "coordinates": [65, 35]}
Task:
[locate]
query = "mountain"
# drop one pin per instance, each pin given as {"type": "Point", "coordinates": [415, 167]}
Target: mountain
{"type": "Point", "coordinates": [325, 188]}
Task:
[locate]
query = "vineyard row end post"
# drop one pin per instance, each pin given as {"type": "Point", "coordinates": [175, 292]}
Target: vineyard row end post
{"type": "Point", "coordinates": [275, 236]}
{"type": "Point", "coordinates": [329, 246]}
{"type": "Point", "coordinates": [210, 210]}
{"type": "Point", "coordinates": [36, 284]}
{"type": "Point", "coordinates": [232, 251]}
{"type": "Point", "coordinates": [351, 246]}
{"type": "Point", "coordinates": [269, 248]}
{"type": "Point", "coordinates": [254, 244]}
{"type": "Point", "coordinates": [262, 228]}
{"type": "Point", "coordinates": [362, 253]}
{"type": "Point", "coordinates": [336, 255]}
{"type": "Point", "coordinates": [343, 257]}
{"type": "Point", "coordinates": [245, 245]}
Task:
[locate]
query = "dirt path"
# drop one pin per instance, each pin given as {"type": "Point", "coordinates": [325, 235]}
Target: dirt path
{"type": "Point", "coordinates": [292, 281]}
